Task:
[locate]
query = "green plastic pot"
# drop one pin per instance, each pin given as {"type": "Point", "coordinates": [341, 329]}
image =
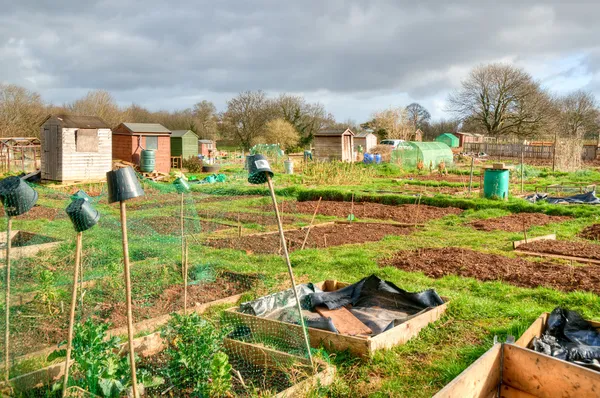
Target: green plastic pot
{"type": "Point", "coordinates": [123, 184]}
{"type": "Point", "coordinates": [258, 165]}
{"type": "Point", "coordinates": [82, 214]}
{"type": "Point", "coordinates": [181, 185]}
{"type": "Point", "coordinates": [16, 196]}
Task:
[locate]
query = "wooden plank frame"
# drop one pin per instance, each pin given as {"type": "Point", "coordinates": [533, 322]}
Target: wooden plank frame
{"type": "Point", "coordinates": [518, 243]}
{"type": "Point", "coordinates": [362, 346]}
{"type": "Point", "coordinates": [510, 371]}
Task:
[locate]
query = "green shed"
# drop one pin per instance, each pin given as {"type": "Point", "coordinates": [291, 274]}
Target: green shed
{"type": "Point", "coordinates": [428, 152]}
{"type": "Point", "coordinates": [184, 143]}
{"type": "Point", "coordinates": [449, 139]}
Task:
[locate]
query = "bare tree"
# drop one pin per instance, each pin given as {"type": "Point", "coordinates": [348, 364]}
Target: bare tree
{"type": "Point", "coordinates": [205, 120]}
{"type": "Point", "coordinates": [21, 111]}
{"type": "Point", "coordinates": [578, 114]}
{"type": "Point", "coordinates": [137, 114]}
{"type": "Point", "coordinates": [417, 115]}
{"type": "Point", "coordinates": [435, 128]}
{"type": "Point", "coordinates": [246, 117]}
{"type": "Point", "coordinates": [98, 103]}
{"type": "Point", "coordinates": [391, 123]}
{"type": "Point", "coordinates": [502, 100]}
{"type": "Point", "coordinates": [279, 131]}
{"type": "Point", "coordinates": [306, 118]}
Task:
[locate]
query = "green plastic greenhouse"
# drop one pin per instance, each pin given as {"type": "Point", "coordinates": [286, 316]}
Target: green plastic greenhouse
{"type": "Point", "coordinates": [449, 139]}
{"type": "Point", "coordinates": [429, 152]}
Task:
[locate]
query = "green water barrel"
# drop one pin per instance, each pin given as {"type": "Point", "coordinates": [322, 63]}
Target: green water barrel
{"type": "Point", "coordinates": [147, 160]}
{"type": "Point", "coordinates": [495, 184]}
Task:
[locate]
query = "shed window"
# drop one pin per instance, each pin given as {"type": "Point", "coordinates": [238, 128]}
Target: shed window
{"type": "Point", "coordinates": [152, 142]}
{"type": "Point", "coordinates": [86, 140]}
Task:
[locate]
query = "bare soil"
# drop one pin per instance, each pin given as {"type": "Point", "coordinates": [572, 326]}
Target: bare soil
{"type": "Point", "coordinates": [402, 213]}
{"type": "Point", "coordinates": [319, 237]}
{"type": "Point", "coordinates": [516, 222]}
{"type": "Point", "coordinates": [575, 249]}
{"type": "Point", "coordinates": [437, 263]}
{"type": "Point", "coordinates": [250, 218]}
{"type": "Point", "coordinates": [164, 225]}
{"type": "Point", "coordinates": [592, 232]}
{"type": "Point", "coordinates": [36, 212]}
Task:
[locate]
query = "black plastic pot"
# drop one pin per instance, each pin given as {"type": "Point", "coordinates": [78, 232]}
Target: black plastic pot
{"type": "Point", "coordinates": [123, 185]}
{"type": "Point", "coordinates": [16, 196]}
{"type": "Point", "coordinates": [258, 165]}
{"type": "Point", "coordinates": [211, 168]}
{"type": "Point", "coordinates": [181, 185]}
{"type": "Point", "coordinates": [82, 214]}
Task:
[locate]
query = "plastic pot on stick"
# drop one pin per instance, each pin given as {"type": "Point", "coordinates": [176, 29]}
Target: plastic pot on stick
{"type": "Point", "coordinates": [181, 185]}
{"type": "Point", "coordinates": [82, 214]}
{"type": "Point", "coordinates": [16, 196]}
{"type": "Point", "coordinates": [123, 184]}
{"type": "Point", "coordinates": [258, 165]}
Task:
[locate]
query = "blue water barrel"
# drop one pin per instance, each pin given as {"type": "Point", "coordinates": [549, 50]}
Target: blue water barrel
{"type": "Point", "coordinates": [147, 160]}
{"type": "Point", "coordinates": [377, 158]}
{"type": "Point", "coordinates": [368, 158]}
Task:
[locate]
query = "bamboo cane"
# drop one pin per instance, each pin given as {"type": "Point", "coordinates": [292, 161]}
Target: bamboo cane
{"type": "Point", "coordinates": [72, 312]}
{"type": "Point", "coordinates": [182, 233]}
{"type": "Point", "coordinates": [7, 303]}
{"type": "Point", "coordinates": [312, 221]}
{"type": "Point", "coordinates": [471, 174]}
{"type": "Point", "coordinates": [185, 279]}
{"type": "Point", "coordinates": [128, 298]}
{"type": "Point", "coordinates": [289, 266]}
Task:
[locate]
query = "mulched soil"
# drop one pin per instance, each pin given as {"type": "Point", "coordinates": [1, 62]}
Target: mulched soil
{"type": "Point", "coordinates": [402, 213]}
{"type": "Point", "coordinates": [516, 222]}
{"type": "Point", "coordinates": [35, 213]}
{"type": "Point", "coordinates": [575, 249]}
{"type": "Point", "coordinates": [35, 329]}
{"type": "Point", "coordinates": [164, 225]}
{"type": "Point", "coordinates": [320, 237]}
{"type": "Point", "coordinates": [437, 263]}
{"type": "Point", "coordinates": [592, 232]}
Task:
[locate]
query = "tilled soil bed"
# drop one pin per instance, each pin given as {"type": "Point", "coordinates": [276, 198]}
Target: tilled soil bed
{"type": "Point", "coordinates": [437, 263]}
{"type": "Point", "coordinates": [164, 225]}
{"type": "Point", "coordinates": [516, 222]}
{"type": "Point", "coordinates": [592, 232]}
{"type": "Point", "coordinates": [564, 248]}
{"type": "Point", "coordinates": [248, 218]}
{"type": "Point", "coordinates": [320, 237]}
{"type": "Point", "coordinates": [402, 213]}
{"type": "Point", "coordinates": [36, 212]}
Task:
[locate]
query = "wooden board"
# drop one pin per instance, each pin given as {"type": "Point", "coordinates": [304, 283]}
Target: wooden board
{"type": "Point", "coordinates": [480, 380]}
{"type": "Point", "coordinates": [536, 254]}
{"type": "Point", "coordinates": [518, 243]}
{"type": "Point", "coordinates": [510, 392]}
{"type": "Point", "coordinates": [344, 321]}
{"type": "Point", "coordinates": [545, 376]}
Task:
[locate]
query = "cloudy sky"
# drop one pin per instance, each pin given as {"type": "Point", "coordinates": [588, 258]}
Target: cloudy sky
{"type": "Point", "coordinates": [354, 56]}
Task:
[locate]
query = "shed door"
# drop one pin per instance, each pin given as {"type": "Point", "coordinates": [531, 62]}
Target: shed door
{"type": "Point", "coordinates": [50, 152]}
{"type": "Point", "coordinates": [347, 148]}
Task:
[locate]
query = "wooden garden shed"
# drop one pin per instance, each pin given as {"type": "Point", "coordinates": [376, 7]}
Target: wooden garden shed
{"type": "Point", "coordinates": [205, 147]}
{"type": "Point", "coordinates": [184, 145]}
{"type": "Point", "coordinates": [75, 148]}
{"type": "Point", "coordinates": [365, 139]}
{"type": "Point", "coordinates": [335, 144]}
{"type": "Point", "coordinates": [130, 138]}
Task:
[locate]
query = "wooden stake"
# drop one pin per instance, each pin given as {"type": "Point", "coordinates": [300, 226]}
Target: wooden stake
{"type": "Point", "coordinates": [80, 277]}
{"type": "Point", "coordinates": [127, 276]}
{"type": "Point", "coordinates": [312, 221]}
{"type": "Point", "coordinates": [289, 266]}
{"type": "Point", "coordinates": [471, 174]}
{"type": "Point", "coordinates": [185, 279]}
{"type": "Point", "coordinates": [7, 303]}
{"type": "Point", "coordinates": [525, 231]}
{"type": "Point", "coordinates": [72, 311]}
{"type": "Point", "coordinates": [182, 233]}
{"type": "Point", "coordinates": [352, 205]}
{"type": "Point", "coordinates": [522, 167]}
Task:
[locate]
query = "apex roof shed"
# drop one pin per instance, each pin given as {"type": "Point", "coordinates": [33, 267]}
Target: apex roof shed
{"type": "Point", "coordinates": [184, 143]}
{"type": "Point", "coordinates": [205, 146]}
{"type": "Point", "coordinates": [75, 148]}
{"type": "Point", "coordinates": [366, 139]}
{"type": "Point", "coordinates": [449, 139]}
{"type": "Point", "coordinates": [334, 144]}
{"type": "Point", "coordinates": [130, 138]}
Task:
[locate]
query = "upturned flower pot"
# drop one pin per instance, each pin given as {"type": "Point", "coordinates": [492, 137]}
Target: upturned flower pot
{"type": "Point", "coordinates": [258, 167]}
{"type": "Point", "coordinates": [82, 214]}
{"type": "Point", "coordinates": [16, 196]}
{"type": "Point", "coordinates": [123, 184]}
{"type": "Point", "coordinates": [181, 185]}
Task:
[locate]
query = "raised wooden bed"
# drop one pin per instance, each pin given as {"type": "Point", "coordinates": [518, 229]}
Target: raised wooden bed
{"type": "Point", "coordinates": [510, 371]}
{"type": "Point", "coordinates": [27, 250]}
{"type": "Point", "coordinates": [537, 329]}
{"type": "Point", "coordinates": [357, 345]}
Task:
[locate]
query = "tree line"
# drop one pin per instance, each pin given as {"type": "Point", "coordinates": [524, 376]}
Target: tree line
{"type": "Point", "coordinates": [496, 99]}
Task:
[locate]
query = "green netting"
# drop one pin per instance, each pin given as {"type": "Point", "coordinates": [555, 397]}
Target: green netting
{"type": "Point", "coordinates": [430, 153]}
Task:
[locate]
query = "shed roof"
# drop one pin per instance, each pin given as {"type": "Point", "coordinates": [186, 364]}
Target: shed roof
{"type": "Point", "coordinates": [205, 141]}
{"type": "Point", "coordinates": [77, 121]}
{"type": "Point", "coordinates": [363, 134]}
{"type": "Point", "coordinates": [145, 128]}
{"type": "Point", "coordinates": [333, 132]}
{"type": "Point", "coordinates": [181, 133]}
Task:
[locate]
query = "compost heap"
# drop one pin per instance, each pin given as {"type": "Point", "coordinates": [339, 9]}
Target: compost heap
{"type": "Point", "coordinates": [571, 338]}
{"type": "Point", "coordinates": [378, 304]}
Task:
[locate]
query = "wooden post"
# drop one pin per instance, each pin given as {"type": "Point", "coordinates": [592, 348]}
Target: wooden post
{"type": "Point", "coordinates": [72, 312]}
{"type": "Point", "coordinates": [289, 266]}
{"type": "Point", "coordinates": [554, 152]}
{"type": "Point", "coordinates": [7, 303]}
{"type": "Point", "coordinates": [312, 221]}
{"type": "Point", "coordinates": [185, 279]}
{"type": "Point", "coordinates": [522, 171]}
{"type": "Point", "coordinates": [471, 174]}
{"type": "Point", "coordinates": [80, 278]}
{"type": "Point", "coordinates": [127, 276]}
{"type": "Point", "coordinates": [182, 233]}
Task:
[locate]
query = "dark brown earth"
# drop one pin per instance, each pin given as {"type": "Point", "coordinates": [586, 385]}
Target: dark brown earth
{"type": "Point", "coordinates": [402, 213]}
{"type": "Point", "coordinates": [36, 212]}
{"type": "Point", "coordinates": [592, 232]}
{"type": "Point", "coordinates": [249, 218]}
{"type": "Point", "coordinates": [319, 237]}
{"type": "Point", "coordinates": [576, 249]}
{"type": "Point", "coordinates": [516, 222]}
{"type": "Point", "coordinates": [174, 199]}
{"type": "Point", "coordinates": [164, 225]}
{"type": "Point", "coordinates": [437, 263]}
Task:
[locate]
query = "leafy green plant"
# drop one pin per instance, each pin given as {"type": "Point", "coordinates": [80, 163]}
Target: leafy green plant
{"type": "Point", "coordinates": [192, 164]}
{"type": "Point", "coordinates": [220, 375]}
{"type": "Point", "coordinates": [47, 293]}
{"type": "Point", "coordinates": [193, 343]}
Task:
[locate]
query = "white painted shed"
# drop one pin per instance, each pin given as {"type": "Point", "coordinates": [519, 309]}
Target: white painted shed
{"type": "Point", "coordinates": [75, 148]}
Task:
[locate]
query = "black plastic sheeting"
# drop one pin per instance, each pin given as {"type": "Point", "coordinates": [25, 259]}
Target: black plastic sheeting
{"type": "Point", "coordinates": [379, 304]}
{"type": "Point", "coordinates": [571, 338]}
{"type": "Point", "coordinates": [588, 198]}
